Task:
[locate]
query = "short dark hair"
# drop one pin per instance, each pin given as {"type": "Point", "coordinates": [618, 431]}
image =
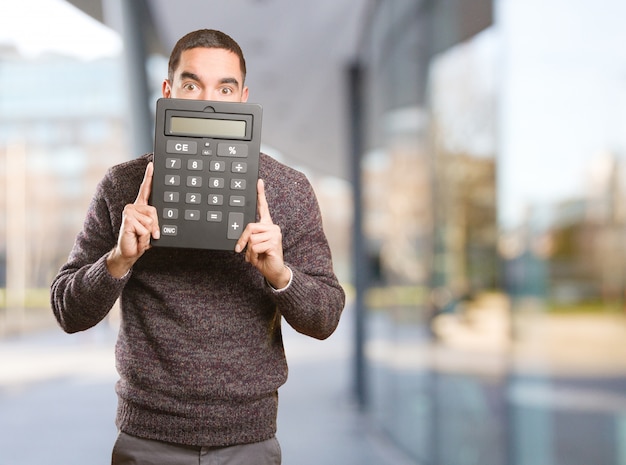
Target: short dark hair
{"type": "Point", "coordinates": [208, 38]}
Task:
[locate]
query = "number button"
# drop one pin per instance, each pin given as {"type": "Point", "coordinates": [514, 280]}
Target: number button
{"type": "Point", "coordinates": [172, 180]}
{"type": "Point", "coordinates": [194, 165]}
{"type": "Point", "coordinates": [216, 199]}
{"type": "Point", "coordinates": [173, 163]}
{"type": "Point", "coordinates": [171, 197]}
{"type": "Point", "coordinates": [193, 198]}
{"type": "Point", "coordinates": [170, 213]}
{"type": "Point", "coordinates": [194, 181]}
{"type": "Point", "coordinates": [217, 166]}
{"type": "Point", "coordinates": [216, 183]}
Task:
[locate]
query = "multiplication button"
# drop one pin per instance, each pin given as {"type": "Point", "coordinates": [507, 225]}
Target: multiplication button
{"type": "Point", "coordinates": [238, 184]}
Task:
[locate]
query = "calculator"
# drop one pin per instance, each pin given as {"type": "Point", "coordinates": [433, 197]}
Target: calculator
{"type": "Point", "coordinates": [206, 167]}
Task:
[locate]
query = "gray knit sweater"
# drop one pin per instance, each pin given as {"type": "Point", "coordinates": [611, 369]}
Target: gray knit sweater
{"type": "Point", "coordinates": [199, 351]}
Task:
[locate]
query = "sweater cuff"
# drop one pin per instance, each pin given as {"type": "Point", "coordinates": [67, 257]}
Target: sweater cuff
{"type": "Point", "coordinates": [101, 273]}
{"type": "Point", "coordinates": [284, 288]}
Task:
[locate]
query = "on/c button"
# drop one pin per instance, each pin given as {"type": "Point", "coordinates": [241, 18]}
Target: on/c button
{"type": "Point", "coordinates": [167, 230]}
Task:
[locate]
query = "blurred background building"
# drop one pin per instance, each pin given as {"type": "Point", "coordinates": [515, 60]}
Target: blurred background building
{"type": "Point", "coordinates": [469, 159]}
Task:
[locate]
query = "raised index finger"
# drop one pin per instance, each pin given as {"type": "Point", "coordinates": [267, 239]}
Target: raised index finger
{"type": "Point", "coordinates": [262, 207]}
{"type": "Point", "coordinates": [146, 186]}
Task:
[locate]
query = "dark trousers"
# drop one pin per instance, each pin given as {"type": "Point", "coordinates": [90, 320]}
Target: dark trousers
{"type": "Point", "coordinates": [131, 450]}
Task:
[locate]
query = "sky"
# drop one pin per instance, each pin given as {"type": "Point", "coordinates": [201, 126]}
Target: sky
{"type": "Point", "coordinates": [35, 27]}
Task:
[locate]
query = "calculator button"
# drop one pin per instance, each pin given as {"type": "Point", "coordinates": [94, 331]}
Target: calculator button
{"type": "Point", "coordinates": [192, 215]}
{"type": "Point", "coordinates": [235, 225]}
{"type": "Point", "coordinates": [207, 150]}
{"type": "Point", "coordinates": [232, 150]}
{"type": "Point", "coordinates": [237, 201]}
{"type": "Point", "coordinates": [169, 230]}
{"type": "Point", "coordinates": [194, 165]}
{"type": "Point", "coordinates": [217, 166]}
{"type": "Point", "coordinates": [188, 147]}
{"type": "Point", "coordinates": [238, 184]}
{"type": "Point", "coordinates": [216, 183]}
{"type": "Point", "coordinates": [172, 180]}
{"type": "Point", "coordinates": [172, 163]}
{"type": "Point", "coordinates": [194, 181]}
{"type": "Point", "coordinates": [216, 199]}
{"type": "Point", "coordinates": [170, 213]}
{"type": "Point", "coordinates": [171, 197]}
{"type": "Point", "coordinates": [193, 197]}
{"type": "Point", "coordinates": [214, 217]}
{"type": "Point", "coordinates": [239, 167]}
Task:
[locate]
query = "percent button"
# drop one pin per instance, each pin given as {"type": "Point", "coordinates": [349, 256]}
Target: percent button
{"type": "Point", "coordinates": [225, 149]}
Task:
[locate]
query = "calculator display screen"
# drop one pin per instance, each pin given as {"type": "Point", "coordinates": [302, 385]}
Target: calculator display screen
{"type": "Point", "coordinates": [206, 127]}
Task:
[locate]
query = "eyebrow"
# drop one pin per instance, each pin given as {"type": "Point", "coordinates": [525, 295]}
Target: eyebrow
{"type": "Point", "coordinates": [229, 80]}
{"type": "Point", "coordinates": [195, 77]}
{"type": "Point", "coordinates": [189, 75]}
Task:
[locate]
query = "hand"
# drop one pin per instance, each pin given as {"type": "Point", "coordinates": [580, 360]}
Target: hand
{"type": "Point", "coordinates": [139, 223]}
{"type": "Point", "coordinates": [263, 242]}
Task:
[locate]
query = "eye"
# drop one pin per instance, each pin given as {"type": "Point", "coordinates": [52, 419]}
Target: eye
{"type": "Point", "coordinates": [190, 86]}
{"type": "Point", "coordinates": [226, 90]}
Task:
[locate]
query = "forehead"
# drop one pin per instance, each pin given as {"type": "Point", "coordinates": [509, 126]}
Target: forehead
{"type": "Point", "coordinates": [209, 62]}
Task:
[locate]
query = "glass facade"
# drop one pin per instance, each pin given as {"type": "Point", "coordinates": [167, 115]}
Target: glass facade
{"type": "Point", "coordinates": [494, 196]}
{"type": "Point", "coordinates": [62, 125]}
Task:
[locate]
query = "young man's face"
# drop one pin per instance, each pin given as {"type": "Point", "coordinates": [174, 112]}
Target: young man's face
{"type": "Point", "coordinates": [207, 74]}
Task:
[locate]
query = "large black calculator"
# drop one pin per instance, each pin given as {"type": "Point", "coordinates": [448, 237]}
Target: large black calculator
{"type": "Point", "coordinates": [206, 166]}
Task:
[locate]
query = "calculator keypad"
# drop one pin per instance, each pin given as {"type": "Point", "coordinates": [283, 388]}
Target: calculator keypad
{"type": "Point", "coordinates": [201, 184]}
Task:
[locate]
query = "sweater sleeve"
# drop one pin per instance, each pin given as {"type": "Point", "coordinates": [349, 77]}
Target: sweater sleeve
{"type": "Point", "coordinates": [83, 291]}
{"type": "Point", "coordinates": [313, 302]}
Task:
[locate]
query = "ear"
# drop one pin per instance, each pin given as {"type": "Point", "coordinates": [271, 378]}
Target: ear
{"type": "Point", "coordinates": [166, 88]}
{"type": "Point", "coordinates": [244, 95]}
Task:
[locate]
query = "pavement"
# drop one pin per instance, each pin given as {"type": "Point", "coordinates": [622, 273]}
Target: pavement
{"type": "Point", "coordinates": [57, 401]}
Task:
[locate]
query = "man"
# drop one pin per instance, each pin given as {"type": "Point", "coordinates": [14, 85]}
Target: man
{"type": "Point", "coordinates": [199, 351]}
